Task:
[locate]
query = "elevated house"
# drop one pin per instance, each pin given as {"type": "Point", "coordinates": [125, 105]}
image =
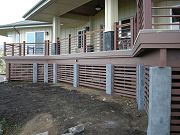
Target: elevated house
{"type": "Point", "coordinates": [124, 47]}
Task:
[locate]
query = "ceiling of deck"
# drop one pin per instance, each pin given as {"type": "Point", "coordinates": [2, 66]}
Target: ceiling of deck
{"type": "Point", "coordinates": [72, 12]}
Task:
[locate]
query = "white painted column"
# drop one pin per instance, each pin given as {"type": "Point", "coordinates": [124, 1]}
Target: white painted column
{"type": "Point", "coordinates": [56, 28]}
{"type": "Point", "coordinates": [111, 14]}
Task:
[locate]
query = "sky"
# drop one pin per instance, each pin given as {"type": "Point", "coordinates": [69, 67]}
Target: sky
{"type": "Point", "coordinates": [12, 11]}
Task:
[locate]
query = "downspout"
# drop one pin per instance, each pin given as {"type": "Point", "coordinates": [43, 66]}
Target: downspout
{"type": "Point", "coordinates": [17, 32]}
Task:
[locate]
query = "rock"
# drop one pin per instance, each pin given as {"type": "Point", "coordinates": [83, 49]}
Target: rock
{"type": "Point", "coordinates": [45, 133]}
{"type": "Point", "coordinates": [104, 99]}
{"type": "Point", "coordinates": [77, 129]}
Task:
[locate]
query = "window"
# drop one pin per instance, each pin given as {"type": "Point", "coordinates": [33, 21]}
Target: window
{"type": "Point", "coordinates": [35, 37]}
{"type": "Point", "coordinates": [175, 20]}
{"type": "Point", "coordinates": [17, 40]}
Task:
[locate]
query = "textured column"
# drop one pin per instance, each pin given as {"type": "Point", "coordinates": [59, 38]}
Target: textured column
{"type": "Point", "coordinates": [109, 79]}
{"type": "Point", "coordinates": [46, 73]}
{"type": "Point", "coordinates": [54, 73]}
{"type": "Point", "coordinates": [76, 76]}
{"type": "Point", "coordinates": [159, 101]}
{"type": "Point", "coordinates": [35, 72]}
{"type": "Point", "coordinates": [140, 87]}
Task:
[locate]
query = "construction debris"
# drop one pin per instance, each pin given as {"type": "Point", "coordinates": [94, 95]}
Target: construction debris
{"type": "Point", "coordinates": [75, 130]}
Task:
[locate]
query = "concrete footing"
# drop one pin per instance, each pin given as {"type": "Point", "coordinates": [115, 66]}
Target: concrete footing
{"type": "Point", "coordinates": [35, 73]}
{"type": "Point", "coordinates": [76, 76]}
{"type": "Point", "coordinates": [46, 73]}
{"type": "Point", "coordinates": [54, 73]}
{"type": "Point", "coordinates": [159, 101]}
{"type": "Point", "coordinates": [109, 79]}
{"type": "Point", "coordinates": [140, 87]}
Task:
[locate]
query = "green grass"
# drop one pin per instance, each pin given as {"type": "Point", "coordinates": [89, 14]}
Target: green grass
{"type": "Point", "coordinates": [2, 63]}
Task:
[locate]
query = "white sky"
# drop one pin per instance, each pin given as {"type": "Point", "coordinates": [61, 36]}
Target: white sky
{"type": "Point", "coordinates": [12, 11]}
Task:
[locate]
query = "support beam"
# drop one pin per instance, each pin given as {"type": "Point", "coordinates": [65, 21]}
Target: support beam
{"type": "Point", "coordinates": [54, 73]}
{"type": "Point", "coordinates": [140, 87]}
{"type": "Point", "coordinates": [111, 16]}
{"type": "Point", "coordinates": [8, 72]}
{"type": "Point", "coordinates": [159, 101]}
{"type": "Point", "coordinates": [35, 72]}
{"type": "Point", "coordinates": [76, 76]}
{"type": "Point", "coordinates": [56, 28]}
{"type": "Point", "coordinates": [46, 73]}
{"type": "Point", "coordinates": [109, 79]}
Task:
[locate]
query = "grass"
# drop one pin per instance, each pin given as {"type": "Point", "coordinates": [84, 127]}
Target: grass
{"type": "Point", "coordinates": [2, 63]}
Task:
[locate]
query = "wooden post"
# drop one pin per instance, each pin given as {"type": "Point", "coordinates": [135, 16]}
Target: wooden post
{"type": "Point", "coordinates": [58, 46]}
{"type": "Point", "coordinates": [12, 49]}
{"type": "Point", "coordinates": [116, 35]}
{"type": "Point", "coordinates": [48, 46]}
{"type": "Point", "coordinates": [8, 75]}
{"type": "Point", "coordinates": [69, 43]}
{"type": "Point", "coordinates": [45, 47]}
{"type": "Point", "coordinates": [24, 48]}
{"type": "Point", "coordinates": [20, 49]}
{"type": "Point", "coordinates": [147, 7]}
{"type": "Point", "coordinates": [84, 42]}
{"type": "Point", "coordinates": [132, 31]}
{"type": "Point", "coordinates": [163, 57]}
{"type": "Point", "coordinates": [5, 49]}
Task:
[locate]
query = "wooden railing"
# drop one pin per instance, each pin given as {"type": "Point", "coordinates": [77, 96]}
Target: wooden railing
{"type": "Point", "coordinates": [25, 49]}
{"type": "Point", "coordinates": [165, 20]}
{"type": "Point", "coordinates": [90, 41]}
{"type": "Point", "coordinates": [124, 35]}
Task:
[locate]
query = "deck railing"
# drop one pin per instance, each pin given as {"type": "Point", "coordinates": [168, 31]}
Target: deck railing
{"type": "Point", "coordinates": [125, 35]}
{"type": "Point", "coordinates": [27, 49]}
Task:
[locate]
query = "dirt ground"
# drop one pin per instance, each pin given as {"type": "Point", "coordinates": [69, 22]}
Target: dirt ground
{"type": "Point", "coordinates": [37, 108]}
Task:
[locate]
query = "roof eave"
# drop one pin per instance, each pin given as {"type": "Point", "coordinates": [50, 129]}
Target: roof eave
{"type": "Point", "coordinates": [34, 9]}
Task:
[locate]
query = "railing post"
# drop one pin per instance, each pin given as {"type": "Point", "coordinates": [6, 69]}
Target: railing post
{"type": "Point", "coordinates": [132, 31]}
{"type": "Point", "coordinates": [147, 7]}
{"type": "Point", "coordinates": [69, 44]}
{"type": "Point", "coordinates": [5, 49]}
{"type": "Point", "coordinates": [20, 49]}
{"type": "Point", "coordinates": [58, 46]}
{"type": "Point", "coordinates": [84, 42]}
{"type": "Point", "coordinates": [24, 48]}
{"type": "Point", "coordinates": [12, 49]}
{"type": "Point", "coordinates": [115, 35]}
{"type": "Point", "coordinates": [45, 47]}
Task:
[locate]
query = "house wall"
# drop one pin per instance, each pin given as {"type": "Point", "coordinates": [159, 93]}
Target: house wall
{"type": "Point", "coordinates": [23, 31]}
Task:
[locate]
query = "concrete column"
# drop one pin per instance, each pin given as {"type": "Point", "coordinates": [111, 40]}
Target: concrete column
{"type": "Point", "coordinates": [35, 72]}
{"type": "Point", "coordinates": [54, 73]}
{"type": "Point", "coordinates": [140, 87]}
{"type": "Point", "coordinates": [76, 75]}
{"type": "Point", "coordinates": [56, 28]}
{"type": "Point", "coordinates": [46, 73]}
{"type": "Point", "coordinates": [109, 79]}
{"type": "Point", "coordinates": [111, 16]}
{"type": "Point", "coordinates": [159, 101]}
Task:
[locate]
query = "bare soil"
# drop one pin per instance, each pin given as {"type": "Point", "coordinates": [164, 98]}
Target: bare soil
{"type": "Point", "coordinates": [38, 108]}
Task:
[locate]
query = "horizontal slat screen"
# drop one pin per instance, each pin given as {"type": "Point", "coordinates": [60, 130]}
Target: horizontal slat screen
{"type": "Point", "coordinates": [92, 76]}
{"type": "Point", "coordinates": [146, 88]}
{"type": "Point", "coordinates": [125, 80]}
{"type": "Point", "coordinates": [40, 72]}
{"type": "Point", "coordinates": [65, 73]}
{"type": "Point", "coordinates": [50, 73]}
{"type": "Point", "coordinates": [175, 102]}
{"type": "Point", "coordinates": [21, 72]}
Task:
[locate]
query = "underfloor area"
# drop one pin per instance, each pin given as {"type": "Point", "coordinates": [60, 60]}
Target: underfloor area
{"type": "Point", "coordinates": [29, 109]}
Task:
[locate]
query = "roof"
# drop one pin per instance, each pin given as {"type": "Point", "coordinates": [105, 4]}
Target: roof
{"type": "Point", "coordinates": [22, 24]}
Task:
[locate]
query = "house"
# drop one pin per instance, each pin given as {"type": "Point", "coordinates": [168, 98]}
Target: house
{"type": "Point", "coordinates": [124, 47]}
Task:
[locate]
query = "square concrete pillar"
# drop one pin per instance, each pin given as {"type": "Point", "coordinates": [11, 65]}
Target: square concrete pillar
{"type": "Point", "coordinates": [159, 101]}
{"type": "Point", "coordinates": [140, 87]}
{"type": "Point", "coordinates": [109, 79]}
{"type": "Point", "coordinates": [46, 73]}
{"type": "Point", "coordinates": [54, 73]}
{"type": "Point", "coordinates": [35, 72]}
{"type": "Point", "coordinates": [76, 76]}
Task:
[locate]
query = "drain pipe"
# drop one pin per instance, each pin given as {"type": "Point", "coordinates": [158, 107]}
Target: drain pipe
{"type": "Point", "coordinates": [17, 32]}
